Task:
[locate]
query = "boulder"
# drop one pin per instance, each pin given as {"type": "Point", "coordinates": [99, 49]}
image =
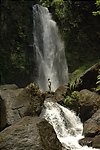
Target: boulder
{"type": "Point", "coordinates": [48, 94]}
{"type": "Point", "coordinates": [8, 87]}
{"type": "Point", "coordinates": [60, 92]}
{"type": "Point", "coordinates": [96, 142]}
{"type": "Point", "coordinates": [7, 99]}
{"type": "Point", "coordinates": [60, 96]}
{"type": "Point", "coordinates": [89, 103]}
{"type": "Point", "coordinates": [89, 78]}
{"type": "Point", "coordinates": [29, 101]}
{"type": "Point", "coordinates": [86, 141]}
{"type": "Point", "coordinates": [91, 131]}
{"type": "Point", "coordinates": [30, 133]}
{"type": "Point", "coordinates": [18, 103]}
{"type": "Point", "coordinates": [92, 125]}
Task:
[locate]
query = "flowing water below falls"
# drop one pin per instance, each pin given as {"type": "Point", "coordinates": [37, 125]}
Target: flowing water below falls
{"type": "Point", "coordinates": [48, 50]}
{"type": "Point", "coordinates": [66, 124]}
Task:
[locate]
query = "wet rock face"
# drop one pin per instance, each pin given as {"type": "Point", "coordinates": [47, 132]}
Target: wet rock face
{"type": "Point", "coordinates": [86, 141]}
{"type": "Point", "coordinates": [31, 133]}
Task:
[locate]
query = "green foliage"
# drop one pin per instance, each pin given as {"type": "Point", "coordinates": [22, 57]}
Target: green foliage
{"type": "Point", "coordinates": [95, 13]}
{"type": "Point", "coordinates": [14, 39]}
{"type": "Point", "coordinates": [82, 69]}
{"type": "Point", "coordinates": [33, 89]}
{"type": "Point", "coordinates": [45, 3]}
{"type": "Point", "coordinates": [68, 100]}
{"type": "Point", "coordinates": [87, 96]}
{"type": "Point", "coordinates": [79, 29]}
{"type": "Point", "coordinates": [75, 95]}
{"type": "Point", "coordinates": [75, 83]}
{"type": "Point", "coordinates": [98, 78]}
{"type": "Point", "coordinates": [98, 83]}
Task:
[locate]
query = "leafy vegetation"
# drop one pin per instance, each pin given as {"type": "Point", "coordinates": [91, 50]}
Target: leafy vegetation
{"type": "Point", "coordinates": [79, 26]}
{"type": "Point", "coordinates": [75, 95]}
{"type": "Point", "coordinates": [81, 69]}
{"type": "Point", "coordinates": [98, 83]}
{"type": "Point", "coordinates": [68, 100]}
{"type": "Point", "coordinates": [87, 96]}
{"type": "Point", "coordinates": [98, 6]}
{"type": "Point", "coordinates": [74, 83]}
{"type": "Point", "coordinates": [33, 89]}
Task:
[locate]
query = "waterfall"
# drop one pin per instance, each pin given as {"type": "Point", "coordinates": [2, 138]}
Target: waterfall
{"type": "Point", "coordinates": [49, 50]}
{"type": "Point", "coordinates": [66, 124]}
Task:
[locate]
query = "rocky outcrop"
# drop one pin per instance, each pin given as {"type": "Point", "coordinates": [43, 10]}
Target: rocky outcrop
{"type": "Point", "coordinates": [20, 109]}
{"type": "Point", "coordinates": [96, 141]}
{"type": "Point", "coordinates": [85, 102]}
{"type": "Point", "coordinates": [17, 103]}
{"type": "Point", "coordinates": [89, 103]}
{"type": "Point", "coordinates": [91, 131]}
{"type": "Point", "coordinates": [8, 116]}
{"type": "Point", "coordinates": [89, 78]}
{"type": "Point", "coordinates": [60, 92]}
{"type": "Point", "coordinates": [9, 87]}
{"type": "Point", "coordinates": [92, 125]}
{"type": "Point", "coordinates": [86, 141]}
{"type": "Point", "coordinates": [60, 96]}
{"type": "Point", "coordinates": [89, 112]}
{"type": "Point", "coordinates": [31, 133]}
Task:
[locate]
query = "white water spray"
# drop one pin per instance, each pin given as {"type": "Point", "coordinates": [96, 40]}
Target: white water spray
{"type": "Point", "coordinates": [49, 49]}
{"type": "Point", "coordinates": [66, 124]}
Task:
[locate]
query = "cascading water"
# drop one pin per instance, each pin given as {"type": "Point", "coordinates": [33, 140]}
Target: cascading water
{"type": "Point", "coordinates": [49, 50]}
{"type": "Point", "coordinates": [66, 124]}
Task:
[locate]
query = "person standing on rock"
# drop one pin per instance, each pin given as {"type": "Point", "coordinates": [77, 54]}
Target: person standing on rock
{"type": "Point", "coordinates": [49, 84]}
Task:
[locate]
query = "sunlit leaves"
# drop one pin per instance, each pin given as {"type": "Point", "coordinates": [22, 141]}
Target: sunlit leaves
{"type": "Point", "coordinates": [45, 3]}
{"type": "Point", "coordinates": [98, 83]}
{"type": "Point", "coordinates": [95, 13]}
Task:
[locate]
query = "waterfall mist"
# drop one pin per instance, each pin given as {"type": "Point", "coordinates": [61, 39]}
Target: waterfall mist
{"type": "Point", "coordinates": [48, 50]}
{"type": "Point", "coordinates": [66, 124]}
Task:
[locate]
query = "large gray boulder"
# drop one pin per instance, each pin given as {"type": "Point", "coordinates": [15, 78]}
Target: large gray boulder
{"type": "Point", "coordinates": [60, 92]}
{"type": "Point", "coordinates": [96, 141]}
{"type": "Point", "coordinates": [8, 87]}
{"type": "Point", "coordinates": [31, 133]}
{"type": "Point", "coordinates": [89, 78]}
{"type": "Point", "coordinates": [17, 103]}
{"type": "Point", "coordinates": [92, 125]}
{"type": "Point", "coordinates": [91, 131]}
{"type": "Point", "coordinates": [7, 99]}
{"type": "Point", "coordinates": [89, 103]}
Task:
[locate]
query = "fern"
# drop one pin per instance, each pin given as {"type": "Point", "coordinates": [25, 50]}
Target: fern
{"type": "Point", "coordinates": [98, 80]}
{"type": "Point", "coordinates": [98, 83]}
{"type": "Point", "coordinates": [75, 83]}
{"type": "Point", "coordinates": [75, 95]}
{"type": "Point", "coordinates": [68, 100]}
